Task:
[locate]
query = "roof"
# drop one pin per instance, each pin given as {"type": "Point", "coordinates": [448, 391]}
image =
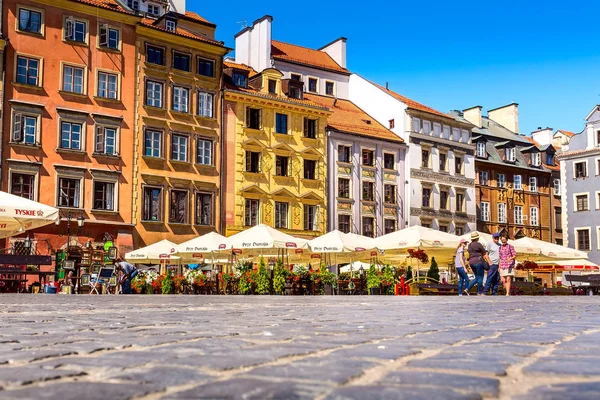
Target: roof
{"type": "Point", "coordinates": [543, 149]}
{"type": "Point", "coordinates": [566, 133]}
{"type": "Point", "coordinates": [151, 23]}
{"type": "Point", "coordinates": [411, 103]}
{"type": "Point", "coordinates": [348, 117]}
{"type": "Point", "coordinates": [270, 96]}
{"type": "Point", "coordinates": [197, 18]}
{"type": "Point", "coordinates": [251, 71]}
{"type": "Point", "coordinates": [305, 56]}
{"type": "Point", "coordinates": [108, 4]}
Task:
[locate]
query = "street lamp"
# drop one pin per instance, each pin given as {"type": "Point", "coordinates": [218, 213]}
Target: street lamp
{"type": "Point", "coordinates": [27, 244]}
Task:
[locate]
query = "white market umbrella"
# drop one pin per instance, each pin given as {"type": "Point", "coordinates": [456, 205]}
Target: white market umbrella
{"type": "Point", "coordinates": [159, 252]}
{"type": "Point", "coordinates": [551, 250]}
{"type": "Point", "coordinates": [18, 214]}
{"type": "Point", "coordinates": [355, 266]}
{"type": "Point", "coordinates": [417, 237]}
{"type": "Point", "coordinates": [576, 264]}
{"type": "Point", "coordinates": [520, 248]}
{"type": "Point", "coordinates": [340, 242]}
{"type": "Point", "coordinates": [264, 237]}
{"type": "Point", "coordinates": [195, 249]}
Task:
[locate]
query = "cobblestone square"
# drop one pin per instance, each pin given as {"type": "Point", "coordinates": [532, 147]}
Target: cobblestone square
{"type": "Point", "coordinates": [326, 347]}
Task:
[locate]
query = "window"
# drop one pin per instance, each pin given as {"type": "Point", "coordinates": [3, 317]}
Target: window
{"type": "Point", "coordinates": [459, 231]}
{"type": "Point", "coordinates": [106, 140]}
{"type": "Point", "coordinates": [533, 184]}
{"type": "Point", "coordinates": [68, 192]}
{"type": "Point", "coordinates": [558, 218]}
{"type": "Point", "coordinates": [484, 209]}
{"type": "Point", "coordinates": [444, 195]}
{"type": "Point", "coordinates": [153, 143]}
{"type": "Point", "coordinates": [368, 158]}
{"type": "Point", "coordinates": [416, 125]}
{"type": "Point", "coordinates": [312, 85]}
{"type": "Point", "coordinates": [154, 10]}
{"type": "Point", "coordinates": [580, 170]}
{"type": "Point", "coordinates": [392, 124]}
{"type": "Point", "coordinates": [344, 223]}
{"type": "Point", "coordinates": [179, 146]}
{"type": "Point", "coordinates": [204, 151]}
{"type": "Point", "coordinates": [389, 194]}
{"type": "Point", "coordinates": [30, 21]}
{"type": "Point", "coordinates": [426, 127]}
{"type": "Point", "coordinates": [154, 94]}
{"type": "Point", "coordinates": [178, 207]}
{"type": "Point", "coordinates": [155, 55]}
{"type": "Point", "coordinates": [455, 134]}
{"type": "Point", "coordinates": [310, 128]}
{"type": "Point", "coordinates": [240, 79]}
{"type": "Point", "coordinates": [329, 88]}
{"type": "Point", "coordinates": [107, 85]}
{"type": "Point", "coordinates": [109, 37]}
{"type": "Point", "coordinates": [70, 136]}
{"type": "Point", "coordinates": [368, 226]}
{"type": "Point", "coordinates": [557, 187]}
{"type": "Point", "coordinates": [425, 158]}
{"type": "Point", "coordinates": [344, 188]}
{"type": "Point", "coordinates": [281, 215]}
{"type": "Point", "coordinates": [443, 228]}
{"type": "Point", "coordinates": [205, 104]}
{"type": "Point", "coordinates": [72, 79]}
{"type": "Point", "coordinates": [296, 77]}
{"type": "Point", "coordinates": [22, 185]}
{"type": "Point", "coordinates": [447, 135]}
{"type": "Point", "coordinates": [28, 70]}
{"type": "Point", "coordinates": [170, 25]}
{"type": "Point", "coordinates": [207, 68]}
{"type": "Point", "coordinates": [582, 203]}
{"type": "Point", "coordinates": [549, 158]}
{"type": "Point", "coordinates": [583, 239]}
{"type": "Point", "coordinates": [483, 178]}
{"type": "Point", "coordinates": [181, 61]}
{"type": "Point", "coordinates": [517, 183]}
{"type": "Point", "coordinates": [152, 210]}
{"type": "Point", "coordinates": [310, 218]}
{"type": "Point", "coordinates": [368, 191]}
{"type": "Point", "coordinates": [104, 196]}
{"type": "Point", "coordinates": [519, 215]}
{"type": "Point", "coordinates": [295, 92]}
{"type": "Point", "coordinates": [310, 169]}
{"type": "Point", "coordinates": [460, 200]}
{"type": "Point", "coordinates": [500, 180]}
{"type": "Point", "coordinates": [344, 153]}
{"type": "Point", "coordinates": [598, 166]}
{"type": "Point", "coordinates": [252, 161]}
{"type": "Point", "coordinates": [75, 30]}
{"type": "Point", "coordinates": [389, 226]}
{"type": "Point", "coordinates": [502, 213]}
{"type": "Point", "coordinates": [180, 99]}
{"type": "Point", "coordinates": [204, 206]}
{"type": "Point", "coordinates": [426, 202]}
{"type": "Point", "coordinates": [24, 128]}
{"type": "Point", "coordinates": [510, 154]}
{"type": "Point", "coordinates": [533, 216]}
{"type": "Point", "coordinates": [536, 159]}
{"type": "Point", "coordinates": [426, 225]}
{"type": "Point", "coordinates": [133, 4]}
{"type": "Point", "coordinates": [437, 130]}
{"type": "Point", "coordinates": [281, 123]}
{"type": "Point", "coordinates": [443, 159]}
{"type": "Point", "coordinates": [253, 120]}
{"type": "Point", "coordinates": [281, 165]}
{"type": "Point", "coordinates": [272, 86]}
{"type": "Point", "coordinates": [251, 212]}
{"type": "Point", "coordinates": [458, 164]}
{"type": "Point", "coordinates": [481, 152]}
{"type": "Point", "coordinates": [389, 161]}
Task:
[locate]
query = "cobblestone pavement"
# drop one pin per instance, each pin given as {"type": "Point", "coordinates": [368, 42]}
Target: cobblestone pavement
{"type": "Point", "coordinates": [342, 347]}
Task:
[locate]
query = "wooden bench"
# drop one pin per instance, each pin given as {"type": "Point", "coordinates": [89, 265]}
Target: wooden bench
{"type": "Point", "coordinates": [440, 289]}
{"type": "Point", "coordinates": [519, 288]}
{"type": "Point", "coordinates": [586, 282]}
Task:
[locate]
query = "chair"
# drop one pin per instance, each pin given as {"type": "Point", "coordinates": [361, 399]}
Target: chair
{"type": "Point", "coordinates": [102, 278]}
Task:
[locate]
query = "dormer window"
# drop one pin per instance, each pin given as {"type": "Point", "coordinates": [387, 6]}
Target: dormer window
{"type": "Point", "coordinates": [481, 150]}
{"type": "Point", "coordinates": [154, 10]}
{"type": "Point", "coordinates": [296, 77]}
{"type": "Point", "coordinates": [240, 79]}
{"type": "Point", "coordinates": [295, 89]}
{"type": "Point", "coordinates": [272, 86]}
{"type": "Point", "coordinates": [170, 25]}
{"type": "Point", "coordinates": [295, 93]}
{"type": "Point", "coordinates": [536, 159]}
{"type": "Point", "coordinates": [511, 154]}
{"type": "Point", "coordinates": [549, 159]}
{"type": "Point", "coordinates": [133, 4]}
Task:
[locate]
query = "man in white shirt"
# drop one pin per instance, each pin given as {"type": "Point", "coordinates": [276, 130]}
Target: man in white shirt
{"type": "Point", "coordinates": [493, 258]}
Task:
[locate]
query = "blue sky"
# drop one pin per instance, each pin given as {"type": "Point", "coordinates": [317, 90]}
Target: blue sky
{"type": "Point", "coordinates": [451, 55]}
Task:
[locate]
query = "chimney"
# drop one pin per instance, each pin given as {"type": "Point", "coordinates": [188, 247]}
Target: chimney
{"type": "Point", "coordinates": [507, 116]}
{"type": "Point", "coordinates": [253, 44]}
{"type": "Point", "coordinates": [337, 51]}
{"type": "Point", "coordinates": [177, 6]}
{"type": "Point", "coordinates": [543, 136]}
{"type": "Point", "coordinates": [473, 115]}
{"type": "Point", "coordinates": [387, 86]}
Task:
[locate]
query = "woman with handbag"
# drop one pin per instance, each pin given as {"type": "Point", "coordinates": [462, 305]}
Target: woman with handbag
{"type": "Point", "coordinates": [477, 262]}
{"type": "Point", "coordinates": [461, 266]}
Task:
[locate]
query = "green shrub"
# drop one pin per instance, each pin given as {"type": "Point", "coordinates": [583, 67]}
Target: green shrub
{"type": "Point", "coordinates": [262, 278]}
{"type": "Point", "coordinates": [167, 283]}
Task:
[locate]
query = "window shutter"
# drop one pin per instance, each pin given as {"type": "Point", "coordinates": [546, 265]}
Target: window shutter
{"type": "Point", "coordinates": [247, 117]}
{"type": "Point", "coordinates": [209, 105]}
{"type": "Point", "coordinates": [18, 128]}
{"type": "Point", "coordinates": [104, 35]}
{"type": "Point", "coordinates": [260, 119]}
{"type": "Point", "coordinates": [248, 160]}
{"type": "Point", "coordinates": [100, 140]}
{"type": "Point", "coordinates": [69, 28]}
{"type": "Point", "coordinates": [305, 126]}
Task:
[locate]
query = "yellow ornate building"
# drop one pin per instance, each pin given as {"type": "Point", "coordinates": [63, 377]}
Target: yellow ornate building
{"type": "Point", "coordinates": [274, 154]}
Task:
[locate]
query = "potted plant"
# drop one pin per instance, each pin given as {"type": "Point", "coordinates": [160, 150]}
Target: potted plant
{"type": "Point", "coordinates": [433, 273]}
{"type": "Point", "coordinates": [387, 280]}
{"type": "Point", "coordinates": [373, 281]}
{"type": "Point", "coordinates": [167, 283]}
{"type": "Point", "coordinates": [280, 275]}
{"type": "Point", "coordinates": [262, 278]}
{"type": "Point", "coordinates": [328, 280]}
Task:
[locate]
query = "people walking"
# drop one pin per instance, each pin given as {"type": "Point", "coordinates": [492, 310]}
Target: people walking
{"type": "Point", "coordinates": [507, 255]}
{"type": "Point", "coordinates": [476, 260]}
{"type": "Point", "coordinates": [493, 259]}
{"type": "Point", "coordinates": [461, 266]}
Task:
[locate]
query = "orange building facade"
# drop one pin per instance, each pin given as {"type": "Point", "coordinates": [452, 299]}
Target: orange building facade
{"type": "Point", "coordinates": [69, 116]}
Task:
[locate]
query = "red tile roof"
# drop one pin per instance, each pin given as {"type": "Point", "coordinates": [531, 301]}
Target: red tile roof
{"type": "Point", "coordinates": [567, 133]}
{"type": "Point", "coordinates": [108, 4]}
{"type": "Point", "coordinates": [251, 71]}
{"type": "Point", "coordinates": [180, 32]}
{"type": "Point", "coordinates": [303, 55]}
{"type": "Point", "coordinates": [194, 16]}
{"type": "Point", "coordinates": [348, 117]}
{"type": "Point", "coordinates": [413, 104]}
{"type": "Point", "coordinates": [550, 167]}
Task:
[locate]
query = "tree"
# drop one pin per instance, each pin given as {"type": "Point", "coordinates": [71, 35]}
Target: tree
{"type": "Point", "coordinates": [409, 273]}
{"type": "Point", "coordinates": [262, 278]}
{"type": "Point", "coordinates": [167, 283]}
{"type": "Point", "coordinates": [279, 277]}
{"type": "Point", "coordinates": [434, 271]}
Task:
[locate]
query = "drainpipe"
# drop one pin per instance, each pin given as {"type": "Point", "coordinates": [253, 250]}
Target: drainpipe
{"type": "Point", "coordinates": [4, 44]}
{"type": "Point", "coordinates": [222, 158]}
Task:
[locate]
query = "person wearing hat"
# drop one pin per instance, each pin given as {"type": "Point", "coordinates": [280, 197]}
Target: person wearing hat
{"type": "Point", "coordinates": [476, 260]}
{"type": "Point", "coordinates": [461, 266]}
{"type": "Point", "coordinates": [129, 272]}
{"type": "Point", "coordinates": [493, 259]}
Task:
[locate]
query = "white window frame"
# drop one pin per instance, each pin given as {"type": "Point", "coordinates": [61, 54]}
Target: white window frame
{"type": "Point", "coordinates": [31, 9]}
{"type": "Point", "coordinates": [519, 217]}
{"type": "Point", "coordinates": [511, 154]}
{"type": "Point", "coordinates": [197, 215]}
{"type": "Point", "coordinates": [501, 182]}
{"type": "Point", "coordinates": [520, 181]}
{"type": "Point", "coordinates": [557, 187]}
{"type": "Point", "coordinates": [18, 124]}
{"type": "Point", "coordinates": [282, 223]}
{"type": "Point", "coordinates": [446, 132]}
{"type": "Point", "coordinates": [426, 127]}
{"type": "Point", "coordinates": [82, 135]}
{"type": "Point", "coordinates": [115, 196]}
{"type": "Point", "coordinates": [455, 134]}
{"type": "Point", "coordinates": [70, 24]}
{"type": "Point", "coordinates": [179, 145]}
{"type": "Point", "coordinates": [587, 171]}
{"type": "Point", "coordinates": [187, 206]}
{"type": "Point", "coordinates": [481, 152]}
{"type": "Point", "coordinates": [105, 43]}
{"type": "Point", "coordinates": [534, 216]}
{"type": "Point", "coordinates": [101, 145]}
{"type": "Point", "coordinates": [575, 195]}
{"type": "Point", "coordinates": [31, 170]}
{"type": "Point", "coordinates": [536, 159]}
{"type": "Point", "coordinates": [597, 163]}
{"type": "Point", "coordinates": [180, 100]}
{"type": "Point", "coordinates": [108, 75]}
{"type": "Point", "coordinates": [160, 146]}
{"type": "Point", "coordinates": [485, 211]}
{"type": "Point", "coordinates": [437, 129]}
{"type": "Point", "coordinates": [77, 177]}
{"type": "Point", "coordinates": [40, 69]}
{"type": "Point", "coordinates": [258, 213]}
{"type": "Point", "coordinates": [151, 86]}
{"type": "Point", "coordinates": [315, 225]}
{"type": "Point", "coordinates": [205, 104]}
{"type": "Point", "coordinates": [334, 88]}
{"type": "Point", "coordinates": [170, 25]}
{"type": "Point", "coordinates": [502, 213]}
{"type": "Point", "coordinates": [579, 229]}
{"type": "Point", "coordinates": [206, 152]}
{"type": "Point", "coordinates": [597, 197]}
{"type": "Point", "coordinates": [416, 125]}
{"type": "Point", "coordinates": [533, 186]}
{"type": "Point", "coordinates": [484, 178]}
{"type": "Point", "coordinates": [64, 82]}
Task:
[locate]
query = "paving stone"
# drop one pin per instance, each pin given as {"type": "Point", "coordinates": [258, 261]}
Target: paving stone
{"type": "Point", "coordinates": [161, 377]}
{"type": "Point", "coordinates": [77, 391]}
{"type": "Point", "coordinates": [579, 391]}
{"type": "Point", "coordinates": [29, 374]}
{"type": "Point", "coordinates": [460, 383]}
{"type": "Point", "coordinates": [395, 393]}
